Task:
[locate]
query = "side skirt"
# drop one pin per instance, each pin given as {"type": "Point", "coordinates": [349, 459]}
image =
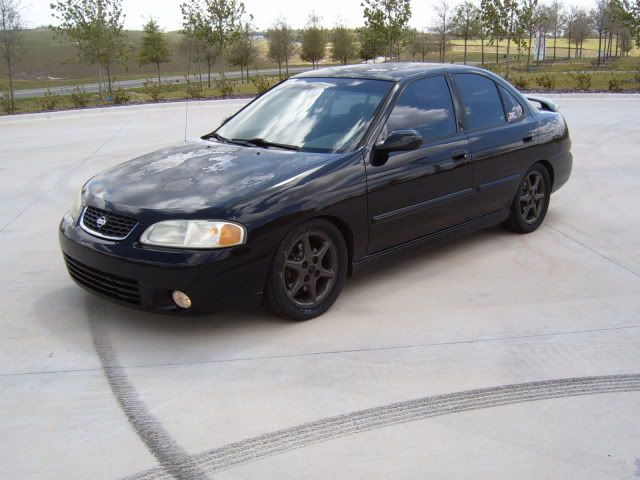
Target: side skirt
{"type": "Point", "coordinates": [441, 236]}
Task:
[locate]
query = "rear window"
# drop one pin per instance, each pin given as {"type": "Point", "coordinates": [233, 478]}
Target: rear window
{"type": "Point", "coordinates": [480, 100]}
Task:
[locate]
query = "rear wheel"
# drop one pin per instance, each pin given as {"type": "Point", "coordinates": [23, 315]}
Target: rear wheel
{"type": "Point", "coordinates": [308, 271]}
{"type": "Point", "coordinates": [531, 202]}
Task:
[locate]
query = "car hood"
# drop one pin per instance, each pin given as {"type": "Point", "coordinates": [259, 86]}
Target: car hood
{"type": "Point", "coordinates": [198, 176]}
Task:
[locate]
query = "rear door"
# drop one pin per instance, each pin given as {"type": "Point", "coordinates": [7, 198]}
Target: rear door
{"type": "Point", "coordinates": [419, 192]}
{"type": "Point", "coordinates": [501, 133]}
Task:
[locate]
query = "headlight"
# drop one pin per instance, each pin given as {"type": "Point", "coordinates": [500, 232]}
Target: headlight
{"type": "Point", "coordinates": [194, 234]}
{"type": "Point", "coordinates": [76, 206]}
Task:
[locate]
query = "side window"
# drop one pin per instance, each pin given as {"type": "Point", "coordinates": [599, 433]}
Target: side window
{"type": "Point", "coordinates": [512, 107]}
{"type": "Point", "coordinates": [425, 106]}
{"type": "Point", "coordinates": [480, 99]}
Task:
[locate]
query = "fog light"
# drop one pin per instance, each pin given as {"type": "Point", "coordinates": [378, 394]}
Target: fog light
{"type": "Point", "coordinates": [181, 299]}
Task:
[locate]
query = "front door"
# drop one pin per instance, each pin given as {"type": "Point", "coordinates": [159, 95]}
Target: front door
{"type": "Point", "coordinates": [413, 194]}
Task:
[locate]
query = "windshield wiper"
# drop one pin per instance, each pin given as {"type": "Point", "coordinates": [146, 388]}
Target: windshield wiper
{"type": "Point", "coordinates": [261, 142]}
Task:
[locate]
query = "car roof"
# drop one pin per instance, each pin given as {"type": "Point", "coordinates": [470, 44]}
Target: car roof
{"type": "Point", "coordinates": [385, 71]}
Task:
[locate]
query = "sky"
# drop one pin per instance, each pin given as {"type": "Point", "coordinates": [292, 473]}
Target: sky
{"type": "Point", "coordinates": [265, 12]}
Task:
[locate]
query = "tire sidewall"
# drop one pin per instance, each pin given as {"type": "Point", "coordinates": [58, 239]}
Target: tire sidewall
{"type": "Point", "coordinates": [517, 222]}
{"type": "Point", "coordinates": [277, 298]}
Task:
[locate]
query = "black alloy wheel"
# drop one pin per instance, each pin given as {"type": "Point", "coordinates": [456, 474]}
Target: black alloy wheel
{"type": "Point", "coordinates": [308, 271]}
{"type": "Point", "coordinates": [533, 197]}
{"type": "Point", "coordinates": [531, 202]}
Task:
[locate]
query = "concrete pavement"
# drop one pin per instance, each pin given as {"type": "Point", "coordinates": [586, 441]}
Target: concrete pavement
{"type": "Point", "coordinates": [383, 386]}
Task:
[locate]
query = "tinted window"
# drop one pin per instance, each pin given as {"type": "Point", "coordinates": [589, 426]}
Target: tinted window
{"type": "Point", "coordinates": [425, 105]}
{"type": "Point", "coordinates": [480, 99]}
{"type": "Point", "coordinates": [315, 114]}
{"type": "Point", "coordinates": [512, 107]}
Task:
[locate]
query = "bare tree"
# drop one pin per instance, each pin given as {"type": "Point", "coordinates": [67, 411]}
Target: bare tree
{"type": "Point", "coordinates": [599, 16]}
{"type": "Point", "coordinates": [465, 23]}
{"type": "Point", "coordinates": [11, 43]}
{"type": "Point", "coordinates": [527, 21]}
{"type": "Point", "coordinates": [511, 11]}
{"type": "Point", "coordinates": [443, 25]}
{"type": "Point", "coordinates": [557, 21]}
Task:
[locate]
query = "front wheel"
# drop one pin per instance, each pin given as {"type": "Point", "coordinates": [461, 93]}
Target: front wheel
{"type": "Point", "coordinates": [531, 202]}
{"type": "Point", "coordinates": [308, 271]}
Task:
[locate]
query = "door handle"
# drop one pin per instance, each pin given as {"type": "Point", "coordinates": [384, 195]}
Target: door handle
{"type": "Point", "coordinates": [460, 155]}
{"type": "Point", "coordinates": [527, 139]}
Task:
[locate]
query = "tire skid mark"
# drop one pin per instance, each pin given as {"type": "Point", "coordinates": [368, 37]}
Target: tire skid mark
{"type": "Point", "coordinates": [175, 461]}
{"type": "Point", "coordinates": [330, 428]}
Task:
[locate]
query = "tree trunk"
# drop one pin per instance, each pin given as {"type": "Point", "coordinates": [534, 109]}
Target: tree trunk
{"type": "Point", "coordinates": [209, 72]}
{"type": "Point", "coordinates": [497, 52]}
{"type": "Point", "coordinates": [159, 79]}
{"type": "Point", "coordinates": [529, 50]}
{"type": "Point", "coordinates": [99, 73]}
{"type": "Point", "coordinates": [222, 61]}
{"type": "Point", "coordinates": [12, 101]}
{"type": "Point", "coordinates": [108, 69]}
{"type": "Point", "coordinates": [555, 39]}
{"type": "Point", "coordinates": [286, 66]}
{"type": "Point", "coordinates": [569, 55]}
{"type": "Point", "coordinates": [599, 45]}
{"type": "Point", "coordinates": [465, 49]}
{"type": "Point", "coordinates": [482, 49]}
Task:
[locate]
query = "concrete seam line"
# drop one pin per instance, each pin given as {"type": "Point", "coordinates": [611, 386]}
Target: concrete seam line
{"type": "Point", "coordinates": [330, 428]}
{"type": "Point", "coordinates": [593, 250]}
{"type": "Point", "coordinates": [174, 459]}
{"type": "Point", "coordinates": [330, 352]}
{"type": "Point", "coordinates": [66, 175]}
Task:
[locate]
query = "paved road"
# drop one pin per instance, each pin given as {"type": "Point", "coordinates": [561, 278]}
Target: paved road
{"type": "Point", "coordinates": [496, 356]}
{"type": "Point", "coordinates": [95, 87]}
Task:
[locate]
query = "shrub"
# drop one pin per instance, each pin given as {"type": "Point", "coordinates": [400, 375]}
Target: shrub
{"type": "Point", "coordinates": [262, 84]}
{"type": "Point", "coordinates": [79, 97]}
{"type": "Point", "coordinates": [121, 97]}
{"type": "Point", "coordinates": [546, 81]}
{"type": "Point", "coordinates": [49, 100]}
{"type": "Point", "coordinates": [637, 75]}
{"type": "Point", "coordinates": [615, 85]}
{"type": "Point", "coordinates": [521, 83]}
{"type": "Point", "coordinates": [224, 87]}
{"type": "Point", "coordinates": [195, 90]}
{"type": "Point", "coordinates": [153, 89]}
{"type": "Point", "coordinates": [5, 102]}
{"type": "Point", "coordinates": [582, 80]}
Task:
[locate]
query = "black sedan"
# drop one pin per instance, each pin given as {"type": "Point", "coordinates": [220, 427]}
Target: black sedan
{"type": "Point", "coordinates": [323, 174]}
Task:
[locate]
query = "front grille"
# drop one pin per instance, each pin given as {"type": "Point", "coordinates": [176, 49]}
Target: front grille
{"type": "Point", "coordinates": [106, 224]}
{"type": "Point", "coordinates": [120, 288]}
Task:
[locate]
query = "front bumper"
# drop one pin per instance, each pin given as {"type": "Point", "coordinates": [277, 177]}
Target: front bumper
{"type": "Point", "coordinates": [145, 277]}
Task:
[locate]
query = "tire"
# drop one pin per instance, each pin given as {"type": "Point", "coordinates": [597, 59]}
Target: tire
{"type": "Point", "coordinates": [530, 204]}
{"type": "Point", "coordinates": [308, 271]}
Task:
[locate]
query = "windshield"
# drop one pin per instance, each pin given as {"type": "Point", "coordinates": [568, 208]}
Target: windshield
{"type": "Point", "coordinates": [311, 114]}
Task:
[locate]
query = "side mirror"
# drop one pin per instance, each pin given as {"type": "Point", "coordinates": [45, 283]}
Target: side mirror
{"type": "Point", "coordinates": [400, 141]}
{"type": "Point", "coordinates": [397, 141]}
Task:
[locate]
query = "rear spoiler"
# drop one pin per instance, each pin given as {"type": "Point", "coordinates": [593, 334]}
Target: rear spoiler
{"type": "Point", "coordinates": [545, 103]}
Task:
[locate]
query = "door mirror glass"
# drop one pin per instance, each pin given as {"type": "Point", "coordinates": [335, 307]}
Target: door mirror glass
{"type": "Point", "coordinates": [400, 141]}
